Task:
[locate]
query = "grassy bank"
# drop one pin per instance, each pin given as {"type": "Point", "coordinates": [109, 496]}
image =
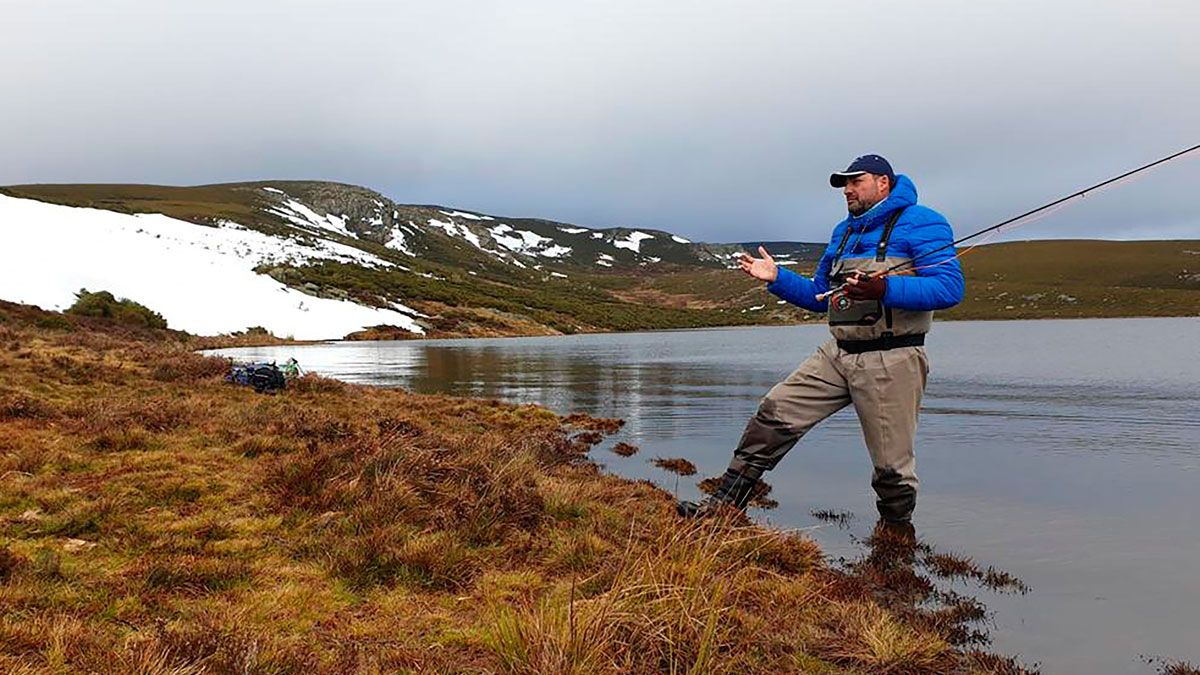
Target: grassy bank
{"type": "Point", "coordinates": [154, 519]}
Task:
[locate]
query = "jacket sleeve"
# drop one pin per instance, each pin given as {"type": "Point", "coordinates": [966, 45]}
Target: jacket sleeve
{"type": "Point", "coordinates": [802, 291]}
{"type": "Point", "coordinates": [938, 281]}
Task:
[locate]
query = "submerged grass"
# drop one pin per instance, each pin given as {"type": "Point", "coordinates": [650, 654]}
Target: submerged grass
{"type": "Point", "coordinates": [155, 519]}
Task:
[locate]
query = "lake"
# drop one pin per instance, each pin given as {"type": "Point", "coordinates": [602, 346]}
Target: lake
{"type": "Point", "coordinates": [1064, 452]}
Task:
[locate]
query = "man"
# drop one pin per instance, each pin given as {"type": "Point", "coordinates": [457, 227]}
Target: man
{"type": "Point", "coordinates": [876, 360]}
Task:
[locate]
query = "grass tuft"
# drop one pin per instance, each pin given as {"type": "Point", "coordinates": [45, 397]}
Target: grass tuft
{"type": "Point", "coordinates": [676, 465]}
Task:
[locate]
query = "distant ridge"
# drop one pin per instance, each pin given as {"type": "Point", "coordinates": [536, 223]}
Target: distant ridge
{"type": "Point", "coordinates": [346, 260]}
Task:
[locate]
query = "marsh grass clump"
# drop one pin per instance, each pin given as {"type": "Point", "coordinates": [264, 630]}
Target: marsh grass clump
{"type": "Point", "coordinates": [604, 425]}
{"type": "Point", "coordinates": [188, 366]}
{"type": "Point", "coordinates": [156, 520]}
{"type": "Point", "coordinates": [266, 445]}
{"type": "Point", "coordinates": [191, 574]}
{"type": "Point", "coordinates": [118, 441]}
{"type": "Point", "coordinates": [17, 405]}
{"type": "Point", "coordinates": [676, 465]}
{"type": "Point", "coordinates": [625, 449]}
{"type": "Point", "coordinates": [840, 518]}
{"type": "Point", "coordinates": [209, 644]}
{"type": "Point", "coordinates": [950, 566]}
{"type": "Point", "coordinates": [312, 383]}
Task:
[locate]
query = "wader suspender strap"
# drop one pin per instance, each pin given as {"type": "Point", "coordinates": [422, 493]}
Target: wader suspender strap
{"type": "Point", "coordinates": [881, 249]}
{"type": "Point", "coordinates": [836, 266]}
{"type": "Point", "coordinates": [837, 255]}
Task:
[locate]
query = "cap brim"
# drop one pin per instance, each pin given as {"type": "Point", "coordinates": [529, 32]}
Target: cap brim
{"type": "Point", "coordinates": [839, 178]}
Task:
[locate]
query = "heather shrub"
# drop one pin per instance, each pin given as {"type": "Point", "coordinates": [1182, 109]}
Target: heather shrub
{"type": "Point", "coordinates": [104, 304]}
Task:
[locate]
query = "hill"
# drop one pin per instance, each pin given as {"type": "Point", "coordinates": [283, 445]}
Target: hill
{"type": "Point", "coordinates": [313, 259]}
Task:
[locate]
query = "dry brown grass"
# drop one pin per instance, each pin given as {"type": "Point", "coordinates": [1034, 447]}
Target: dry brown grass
{"type": "Point", "coordinates": [155, 519]}
{"type": "Point", "coordinates": [676, 465]}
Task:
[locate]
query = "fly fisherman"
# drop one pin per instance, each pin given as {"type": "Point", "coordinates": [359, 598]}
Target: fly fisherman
{"type": "Point", "coordinates": [876, 360]}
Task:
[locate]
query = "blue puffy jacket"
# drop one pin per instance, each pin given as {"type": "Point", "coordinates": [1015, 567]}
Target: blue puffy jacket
{"type": "Point", "coordinates": [919, 231]}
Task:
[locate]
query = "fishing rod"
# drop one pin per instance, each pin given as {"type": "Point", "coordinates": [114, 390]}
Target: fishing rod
{"type": "Point", "coordinates": [899, 267]}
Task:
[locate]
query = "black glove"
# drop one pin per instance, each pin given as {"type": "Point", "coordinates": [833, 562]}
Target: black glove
{"type": "Point", "coordinates": [863, 286]}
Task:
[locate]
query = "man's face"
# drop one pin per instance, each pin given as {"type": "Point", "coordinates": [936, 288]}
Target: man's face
{"type": "Point", "coordinates": [864, 191]}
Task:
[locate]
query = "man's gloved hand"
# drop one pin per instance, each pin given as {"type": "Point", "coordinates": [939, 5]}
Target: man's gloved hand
{"type": "Point", "coordinates": [863, 286]}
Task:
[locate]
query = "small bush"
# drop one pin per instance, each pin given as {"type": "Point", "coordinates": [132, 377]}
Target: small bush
{"type": "Point", "coordinates": [54, 322]}
{"type": "Point", "coordinates": [103, 304]}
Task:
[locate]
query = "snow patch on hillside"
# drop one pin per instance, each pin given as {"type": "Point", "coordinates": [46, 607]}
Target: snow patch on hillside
{"type": "Point", "coordinates": [573, 230]}
{"type": "Point", "coordinates": [522, 241]}
{"type": "Point", "coordinates": [555, 251]}
{"type": "Point", "coordinates": [302, 216]}
{"type": "Point", "coordinates": [679, 240]}
{"type": "Point", "coordinates": [633, 242]}
{"type": "Point", "coordinates": [201, 279]}
{"type": "Point", "coordinates": [464, 214]}
{"type": "Point", "coordinates": [455, 230]}
{"type": "Point", "coordinates": [398, 241]}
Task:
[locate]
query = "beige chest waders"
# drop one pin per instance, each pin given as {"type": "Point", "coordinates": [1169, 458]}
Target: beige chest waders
{"type": "Point", "coordinates": [876, 362]}
{"type": "Point", "coordinates": [870, 319]}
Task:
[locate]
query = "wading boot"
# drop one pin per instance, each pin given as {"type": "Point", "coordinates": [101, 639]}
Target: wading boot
{"type": "Point", "coordinates": [896, 499]}
{"type": "Point", "coordinates": [736, 489]}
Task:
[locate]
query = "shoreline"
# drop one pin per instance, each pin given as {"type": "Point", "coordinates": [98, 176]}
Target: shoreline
{"type": "Point", "coordinates": [282, 342]}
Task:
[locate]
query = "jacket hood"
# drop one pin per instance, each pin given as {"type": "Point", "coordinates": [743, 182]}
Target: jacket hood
{"type": "Point", "coordinates": [904, 195]}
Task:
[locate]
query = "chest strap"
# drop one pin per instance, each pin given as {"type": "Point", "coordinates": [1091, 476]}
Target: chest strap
{"type": "Point", "coordinates": [881, 248]}
{"type": "Point", "coordinates": [837, 255]}
{"type": "Point", "coordinates": [884, 238]}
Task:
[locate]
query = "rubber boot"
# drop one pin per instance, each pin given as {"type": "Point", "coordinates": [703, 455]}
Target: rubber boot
{"type": "Point", "coordinates": [735, 490]}
{"type": "Point", "coordinates": [896, 500]}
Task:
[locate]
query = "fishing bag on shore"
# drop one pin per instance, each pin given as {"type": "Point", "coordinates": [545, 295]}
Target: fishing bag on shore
{"type": "Point", "coordinates": [265, 378]}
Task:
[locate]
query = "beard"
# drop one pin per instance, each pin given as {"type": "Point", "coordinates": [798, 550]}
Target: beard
{"type": "Point", "coordinates": [861, 206]}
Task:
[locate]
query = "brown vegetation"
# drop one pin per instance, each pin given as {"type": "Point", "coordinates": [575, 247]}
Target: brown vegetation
{"type": "Point", "coordinates": [676, 465]}
{"type": "Point", "coordinates": [155, 519]}
{"type": "Point", "coordinates": [625, 449]}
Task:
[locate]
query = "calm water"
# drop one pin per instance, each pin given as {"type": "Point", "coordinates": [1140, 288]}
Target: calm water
{"type": "Point", "coordinates": [1065, 452]}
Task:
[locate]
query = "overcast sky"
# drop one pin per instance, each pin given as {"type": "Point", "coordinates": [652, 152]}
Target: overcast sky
{"type": "Point", "coordinates": [719, 121]}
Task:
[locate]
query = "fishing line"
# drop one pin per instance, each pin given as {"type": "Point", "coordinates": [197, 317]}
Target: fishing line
{"type": "Point", "coordinates": [910, 265]}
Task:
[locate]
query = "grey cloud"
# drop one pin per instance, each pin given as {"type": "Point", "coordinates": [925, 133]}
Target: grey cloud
{"type": "Point", "coordinates": [717, 120]}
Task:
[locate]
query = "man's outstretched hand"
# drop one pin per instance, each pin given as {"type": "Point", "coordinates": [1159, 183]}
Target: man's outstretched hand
{"type": "Point", "coordinates": [763, 268]}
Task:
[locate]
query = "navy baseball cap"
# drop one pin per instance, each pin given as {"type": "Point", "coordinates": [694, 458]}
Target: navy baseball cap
{"type": "Point", "coordinates": [865, 164]}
